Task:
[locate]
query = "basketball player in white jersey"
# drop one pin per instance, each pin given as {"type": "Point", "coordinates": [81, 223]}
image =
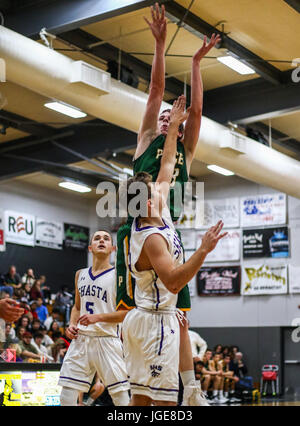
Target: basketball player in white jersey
{"type": "Point", "coordinates": [94, 331]}
{"type": "Point", "coordinates": [151, 330]}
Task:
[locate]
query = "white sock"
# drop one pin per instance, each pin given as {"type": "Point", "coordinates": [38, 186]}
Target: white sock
{"type": "Point", "coordinates": [188, 378]}
{"type": "Point", "coordinates": [89, 401]}
{"type": "Point", "coordinates": [205, 393]}
{"type": "Point", "coordinates": [226, 394]}
{"type": "Point", "coordinates": [215, 393]}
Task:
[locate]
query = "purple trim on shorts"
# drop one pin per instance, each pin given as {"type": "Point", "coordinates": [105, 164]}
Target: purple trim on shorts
{"type": "Point", "coordinates": [157, 295]}
{"type": "Point", "coordinates": [99, 275]}
{"type": "Point", "coordinates": [151, 387]}
{"type": "Point", "coordinates": [118, 383]}
{"type": "Point", "coordinates": [162, 336]}
{"type": "Point", "coordinates": [150, 227]}
{"type": "Point", "coordinates": [75, 380]}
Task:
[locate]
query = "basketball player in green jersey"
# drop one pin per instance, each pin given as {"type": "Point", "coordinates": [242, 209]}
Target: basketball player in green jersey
{"type": "Point", "coordinates": [150, 144]}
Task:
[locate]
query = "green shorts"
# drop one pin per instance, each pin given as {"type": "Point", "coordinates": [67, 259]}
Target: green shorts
{"type": "Point", "coordinates": [126, 282]}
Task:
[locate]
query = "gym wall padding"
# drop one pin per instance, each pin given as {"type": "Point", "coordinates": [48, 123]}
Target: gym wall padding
{"type": "Point", "coordinates": [59, 266]}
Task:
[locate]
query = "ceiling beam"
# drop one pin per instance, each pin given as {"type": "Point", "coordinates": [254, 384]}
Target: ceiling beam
{"type": "Point", "coordinates": [63, 15]}
{"type": "Point", "coordinates": [25, 125]}
{"type": "Point", "coordinates": [251, 100]}
{"type": "Point", "coordinates": [295, 4]}
{"type": "Point", "coordinates": [108, 52]}
{"type": "Point", "coordinates": [267, 71]}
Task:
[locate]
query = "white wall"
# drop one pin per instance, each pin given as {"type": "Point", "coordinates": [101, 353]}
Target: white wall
{"type": "Point", "coordinates": [239, 311]}
{"type": "Point", "coordinates": [56, 205]}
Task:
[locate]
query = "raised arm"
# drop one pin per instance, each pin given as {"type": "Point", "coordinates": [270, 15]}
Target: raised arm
{"type": "Point", "coordinates": [148, 128]}
{"type": "Point", "coordinates": [192, 128]}
{"type": "Point", "coordinates": [177, 116]}
{"type": "Point", "coordinates": [175, 278]}
{"type": "Point", "coordinates": [72, 330]}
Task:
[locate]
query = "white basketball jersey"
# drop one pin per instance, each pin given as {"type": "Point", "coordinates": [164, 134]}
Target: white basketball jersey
{"type": "Point", "coordinates": [150, 292]}
{"type": "Point", "coordinates": [98, 296]}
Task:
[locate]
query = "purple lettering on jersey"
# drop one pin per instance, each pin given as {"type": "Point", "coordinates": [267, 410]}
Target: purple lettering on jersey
{"type": "Point", "coordinates": [99, 289]}
{"type": "Point", "coordinates": [104, 297]}
{"type": "Point", "coordinates": [88, 291]}
{"type": "Point", "coordinates": [93, 290]}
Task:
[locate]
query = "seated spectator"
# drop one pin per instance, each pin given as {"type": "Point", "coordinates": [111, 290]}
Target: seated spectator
{"type": "Point", "coordinates": [28, 277]}
{"type": "Point", "coordinates": [229, 380]}
{"type": "Point", "coordinates": [198, 344]}
{"type": "Point", "coordinates": [211, 365]}
{"type": "Point", "coordinates": [35, 326]}
{"type": "Point", "coordinates": [8, 337]}
{"type": "Point", "coordinates": [233, 350]}
{"type": "Point", "coordinates": [12, 279]}
{"type": "Point", "coordinates": [35, 291]}
{"type": "Point", "coordinates": [59, 349]}
{"type": "Point", "coordinates": [33, 306]}
{"type": "Point", "coordinates": [26, 291]}
{"type": "Point", "coordinates": [41, 349]}
{"type": "Point", "coordinates": [47, 341]}
{"type": "Point", "coordinates": [225, 351]}
{"type": "Point", "coordinates": [45, 289]}
{"type": "Point", "coordinates": [55, 315]}
{"type": "Point", "coordinates": [218, 349]}
{"type": "Point", "coordinates": [63, 302]}
{"type": "Point", "coordinates": [20, 332]}
{"type": "Point", "coordinates": [7, 289]}
{"type": "Point", "coordinates": [240, 370]}
{"type": "Point", "coordinates": [55, 328]}
{"type": "Point", "coordinates": [41, 310]}
{"type": "Point", "coordinates": [24, 321]}
{"type": "Point", "coordinates": [28, 350]}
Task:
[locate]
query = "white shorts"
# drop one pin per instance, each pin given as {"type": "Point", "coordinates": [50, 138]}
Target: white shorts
{"type": "Point", "coordinates": [88, 355]}
{"type": "Point", "coordinates": [151, 349]}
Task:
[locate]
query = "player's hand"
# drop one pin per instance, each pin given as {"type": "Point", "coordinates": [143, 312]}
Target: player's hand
{"type": "Point", "coordinates": [212, 237]}
{"type": "Point", "coordinates": [88, 319]}
{"type": "Point", "coordinates": [215, 39]}
{"type": "Point", "coordinates": [10, 310]}
{"type": "Point", "coordinates": [72, 332]}
{"type": "Point", "coordinates": [178, 114]}
{"type": "Point", "coordinates": [158, 25]}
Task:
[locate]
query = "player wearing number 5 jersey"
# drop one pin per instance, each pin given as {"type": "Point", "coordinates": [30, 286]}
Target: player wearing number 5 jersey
{"type": "Point", "coordinates": [96, 346]}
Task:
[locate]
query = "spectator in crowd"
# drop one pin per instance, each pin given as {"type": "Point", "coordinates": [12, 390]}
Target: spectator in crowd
{"type": "Point", "coordinates": [55, 316]}
{"type": "Point", "coordinates": [28, 350]}
{"type": "Point", "coordinates": [41, 349]}
{"type": "Point", "coordinates": [20, 332]}
{"type": "Point", "coordinates": [29, 277]}
{"type": "Point", "coordinates": [225, 351]}
{"type": "Point", "coordinates": [47, 341]}
{"type": "Point", "coordinates": [198, 344]}
{"type": "Point", "coordinates": [233, 350]}
{"type": "Point", "coordinates": [24, 321]}
{"type": "Point", "coordinates": [12, 279]}
{"type": "Point", "coordinates": [33, 306]}
{"type": "Point", "coordinates": [34, 326]}
{"type": "Point", "coordinates": [240, 370]}
{"type": "Point", "coordinates": [35, 291]}
{"type": "Point", "coordinates": [26, 291]}
{"type": "Point", "coordinates": [45, 289]}
{"type": "Point", "coordinates": [41, 310]}
{"type": "Point", "coordinates": [63, 303]}
{"type": "Point", "coordinates": [229, 379]}
{"type": "Point", "coordinates": [55, 328]}
{"type": "Point", "coordinates": [218, 349]}
{"type": "Point", "coordinates": [7, 289]}
{"type": "Point", "coordinates": [8, 337]}
{"type": "Point", "coordinates": [60, 347]}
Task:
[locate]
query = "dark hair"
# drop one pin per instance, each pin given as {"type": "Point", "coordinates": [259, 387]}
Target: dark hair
{"type": "Point", "coordinates": [56, 334]}
{"type": "Point", "coordinates": [55, 311]}
{"type": "Point", "coordinates": [199, 363]}
{"type": "Point", "coordinates": [143, 177]}
{"type": "Point", "coordinates": [181, 126]}
{"type": "Point", "coordinates": [102, 230]}
{"type": "Point", "coordinates": [38, 335]}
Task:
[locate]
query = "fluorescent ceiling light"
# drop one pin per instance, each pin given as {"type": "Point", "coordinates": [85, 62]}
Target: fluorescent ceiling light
{"type": "Point", "coordinates": [128, 171]}
{"type": "Point", "coordinates": [74, 186]}
{"type": "Point", "coordinates": [220, 170]}
{"type": "Point", "coordinates": [236, 65]}
{"type": "Point", "coordinates": [65, 109]}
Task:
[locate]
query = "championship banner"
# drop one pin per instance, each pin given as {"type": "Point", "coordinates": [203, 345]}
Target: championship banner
{"type": "Point", "coordinates": [294, 279]}
{"type": "Point", "coordinates": [227, 249]}
{"type": "Point", "coordinates": [219, 281]}
{"type": "Point", "coordinates": [264, 280]}
{"type": "Point", "coordinates": [19, 228]}
{"type": "Point", "coordinates": [2, 239]}
{"type": "Point", "coordinates": [263, 210]}
{"type": "Point", "coordinates": [271, 242]}
{"type": "Point", "coordinates": [76, 236]}
{"type": "Point", "coordinates": [226, 210]}
{"type": "Point", "coordinates": [48, 234]}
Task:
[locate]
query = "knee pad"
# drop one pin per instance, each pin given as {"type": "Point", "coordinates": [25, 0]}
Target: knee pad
{"type": "Point", "coordinates": [120, 398]}
{"type": "Point", "coordinates": [68, 397]}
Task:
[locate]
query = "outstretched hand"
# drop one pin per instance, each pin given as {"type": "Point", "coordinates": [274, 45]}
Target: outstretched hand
{"type": "Point", "coordinates": [212, 237]}
{"type": "Point", "coordinates": [215, 39]}
{"type": "Point", "coordinates": [178, 113]}
{"type": "Point", "coordinates": [158, 25]}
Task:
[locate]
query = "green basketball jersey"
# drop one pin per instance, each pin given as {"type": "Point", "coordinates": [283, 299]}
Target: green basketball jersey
{"type": "Point", "coordinates": [150, 161]}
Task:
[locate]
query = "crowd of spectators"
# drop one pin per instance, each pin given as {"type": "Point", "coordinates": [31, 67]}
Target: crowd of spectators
{"type": "Point", "coordinates": [39, 334]}
{"type": "Point", "coordinates": [223, 374]}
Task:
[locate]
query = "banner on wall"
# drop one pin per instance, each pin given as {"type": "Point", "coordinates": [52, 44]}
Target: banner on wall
{"type": "Point", "coordinates": [227, 249]}
{"type": "Point", "coordinates": [76, 236]}
{"type": "Point", "coordinates": [19, 228]}
{"type": "Point", "coordinates": [2, 239]}
{"type": "Point", "coordinates": [263, 210]}
{"type": "Point", "coordinates": [264, 280]}
{"type": "Point", "coordinates": [271, 242]}
{"type": "Point", "coordinates": [294, 279]}
{"type": "Point", "coordinates": [48, 233]}
{"type": "Point", "coordinates": [219, 281]}
{"type": "Point", "coordinates": [226, 210]}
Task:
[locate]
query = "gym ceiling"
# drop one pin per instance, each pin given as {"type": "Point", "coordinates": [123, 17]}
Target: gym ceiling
{"type": "Point", "coordinates": [40, 146]}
